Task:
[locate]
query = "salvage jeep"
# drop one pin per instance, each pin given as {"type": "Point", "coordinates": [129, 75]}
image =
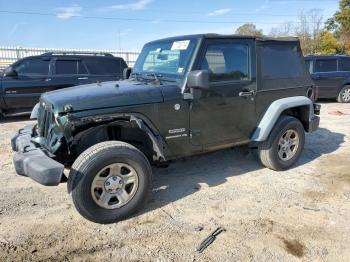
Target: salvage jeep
{"type": "Point", "coordinates": [185, 95]}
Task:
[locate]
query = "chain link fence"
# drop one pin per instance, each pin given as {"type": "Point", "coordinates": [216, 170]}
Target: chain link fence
{"type": "Point", "coordinates": [9, 55]}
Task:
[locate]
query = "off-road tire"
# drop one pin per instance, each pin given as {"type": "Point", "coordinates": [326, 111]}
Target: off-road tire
{"type": "Point", "coordinates": [85, 169]}
{"type": "Point", "coordinates": [268, 150]}
{"type": "Point", "coordinates": [340, 97]}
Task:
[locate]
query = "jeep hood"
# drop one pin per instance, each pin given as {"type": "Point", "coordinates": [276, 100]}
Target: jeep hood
{"type": "Point", "coordinates": [103, 95]}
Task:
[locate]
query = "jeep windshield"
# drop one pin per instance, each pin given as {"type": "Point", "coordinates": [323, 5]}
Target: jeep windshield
{"type": "Point", "coordinates": [169, 58]}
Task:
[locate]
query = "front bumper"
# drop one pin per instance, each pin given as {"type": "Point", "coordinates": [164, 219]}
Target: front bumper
{"type": "Point", "coordinates": [31, 160]}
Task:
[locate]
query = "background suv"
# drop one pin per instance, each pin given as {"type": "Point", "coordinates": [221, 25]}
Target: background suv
{"type": "Point", "coordinates": [331, 75]}
{"type": "Point", "coordinates": [24, 81]}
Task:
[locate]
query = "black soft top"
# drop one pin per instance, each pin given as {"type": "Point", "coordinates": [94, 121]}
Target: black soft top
{"type": "Point", "coordinates": [233, 36]}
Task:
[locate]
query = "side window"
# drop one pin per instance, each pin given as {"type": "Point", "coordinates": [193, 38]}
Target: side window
{"type": "Point", "coordinates": [105, 66]}
{"type": "Point", "coordinates": [344, 64]}
{"type": "Point", "coordinates": [227, 61]}
{"type": "Point", "coordinates": [326, 65]}
{"type": "Point", "coordinates": [81, 68]}
{"type": "Point", "coordinates": [66, 67]}
{"type": "Point", "coordinates": [281, 61]}
{"type": "Point", "coordinates": [33, 67]}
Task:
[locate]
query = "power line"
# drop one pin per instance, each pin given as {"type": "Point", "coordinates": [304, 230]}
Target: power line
{"type": "Point", "coordinates": [140, 19]}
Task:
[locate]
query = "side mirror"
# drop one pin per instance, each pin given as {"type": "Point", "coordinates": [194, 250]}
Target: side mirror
{"type": "Point", "coordinates": [127, 72]}
{"type": "Point", "coordinates": [10, 72]}
{"type": "Point", "coordinates": [198, 79]}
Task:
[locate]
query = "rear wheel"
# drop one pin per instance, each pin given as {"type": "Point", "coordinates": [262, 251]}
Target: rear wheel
{"type": "Point", "coordinates": [344, 95]}
{"type": "Point", "coordinates": [109, 182]}
{"type": "Point", "coordinates": [284, 145]}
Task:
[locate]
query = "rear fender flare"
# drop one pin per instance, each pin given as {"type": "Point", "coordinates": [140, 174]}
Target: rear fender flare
{"type": "Point", "coordinates": [268, 121]}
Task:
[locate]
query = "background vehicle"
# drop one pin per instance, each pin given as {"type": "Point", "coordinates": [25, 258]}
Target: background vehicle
{"type": "Point", "coordinates": [24, 81]}
{"type": "Point", "coordinates": [187, 95]}
{"type": "Point", "coordinates": [331, 75]}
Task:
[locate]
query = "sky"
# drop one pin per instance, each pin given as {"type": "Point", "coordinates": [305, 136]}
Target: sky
{"type": "Point", "coordinates": [128, 24]}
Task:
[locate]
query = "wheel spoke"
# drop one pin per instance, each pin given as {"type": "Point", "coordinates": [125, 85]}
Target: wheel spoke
{"type": "Point", "coordinates": [281, 153]}
{"type": "Point", "coordinates": [294, 142]}
{"type": "Point", "coordinates": [115, 170]}
{"type": "Point", "coordinates": [122, 196]}
{"type": "Point", "coordinates": [99, 182]}
{"type": "Point", "coordinates": [105, 198]}
{"type": "Point", "coordinates": [288, 134]}
{"type": "Point", "coordinates": [129, 178]}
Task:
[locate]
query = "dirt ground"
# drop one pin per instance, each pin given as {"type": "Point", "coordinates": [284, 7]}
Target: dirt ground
{"type": "Point", "coordinates": [300, 214]}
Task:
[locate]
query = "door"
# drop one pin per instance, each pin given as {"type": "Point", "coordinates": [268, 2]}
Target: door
{"type": "Point", "coordinates": [33, 79]}
{"type": "Point", "coordinates": [65, 73]}
{"type": "Point", "coordinates": [327, 78]}
{"type": "Point", "coordinates": [222, 113]}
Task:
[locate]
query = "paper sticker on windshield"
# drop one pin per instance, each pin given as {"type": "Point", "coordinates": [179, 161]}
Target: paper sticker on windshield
{"type": "Point", "coordinates": [180, 45]}
{"type": "Point", "coordinates": [158, 50]}
{"type": "Point", "coordinates": [180, 70]}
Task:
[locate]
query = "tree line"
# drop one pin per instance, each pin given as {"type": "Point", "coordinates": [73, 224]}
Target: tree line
{"type": "Point", "coordinates": [316, 36]}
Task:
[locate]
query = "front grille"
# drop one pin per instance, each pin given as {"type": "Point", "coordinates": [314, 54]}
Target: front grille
{"type": "Point", "coordinates": [45, 121]}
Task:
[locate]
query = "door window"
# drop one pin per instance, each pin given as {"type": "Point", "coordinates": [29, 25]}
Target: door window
{"type": "Point", "coordinates": [226, 61]}
{"type": "Point", "coordinates": [33, 67]}
{"type": "Point", "coordinates": [326, 65]}
{"type": "Point", "coordinates": [344, 64]}
{"type": "Point", "coordinates": [66, 67]}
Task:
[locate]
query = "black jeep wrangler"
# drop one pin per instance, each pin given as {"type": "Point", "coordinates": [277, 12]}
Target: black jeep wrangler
{"type": "Point", "coordinates": [186, 95]}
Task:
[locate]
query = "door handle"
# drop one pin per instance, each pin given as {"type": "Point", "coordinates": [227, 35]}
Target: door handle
{"type": "Point", "coordinates": [83, 78]}
{"type": "Point", "coordinates": [246, 93]}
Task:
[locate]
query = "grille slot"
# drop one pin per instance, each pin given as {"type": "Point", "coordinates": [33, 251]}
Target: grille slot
{"type": "Point", "coordinates": [45, 119]}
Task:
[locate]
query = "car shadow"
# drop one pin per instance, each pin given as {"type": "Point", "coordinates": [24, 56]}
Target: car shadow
{"type": "Point", "coordinates": [184, 177]}
{"type": "Point", "coordinates": [327, 101]}
{"type": "Point", "coordinates": [13, 119]}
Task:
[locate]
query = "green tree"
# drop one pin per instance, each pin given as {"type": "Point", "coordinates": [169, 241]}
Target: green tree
{"type": "Point", "coordinates": [340, 25]}
{"type": "Point", "coordinates": [328, 44]}
{"type": "Point", "coordinates": [249, 29]}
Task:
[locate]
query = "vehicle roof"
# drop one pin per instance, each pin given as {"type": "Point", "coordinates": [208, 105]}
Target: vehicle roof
{"type": "Point", "coordinates": [233, 36]}
{"type": "Point", "coordinates": [72, 56]}
{"type": "Point", "coordinates": [326, 56]}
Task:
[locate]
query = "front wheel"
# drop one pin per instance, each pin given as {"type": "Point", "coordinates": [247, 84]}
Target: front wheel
{"type": "Point", "coordinates": [344, 95]}
{"type": "Point", "coordinates": [109, 182]}
{"type": "Point", "coordinates": [284, 145]}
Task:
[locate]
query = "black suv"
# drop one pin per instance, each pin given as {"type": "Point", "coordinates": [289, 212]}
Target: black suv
{"type": "Point", "coordinates": [331, 74]}
{"type": "Point", "coordinates": [24, 81]}
{"type": "Point", "coordinates": [186, 95]}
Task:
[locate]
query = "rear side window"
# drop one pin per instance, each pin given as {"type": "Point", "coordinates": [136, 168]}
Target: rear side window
{"type": "Point", "coordinates": [66, 67]}
{"type": "Point", "coordinates": [325, 65]}
{"type": "Point", "coordinates": [33, 67]}
{"type": "Point", "coordinates": [103, 66]}
{"type": "Point", "coordinates": [281, 61]}
{"type": "Point", "coordinates": [344, 64]}
{"type": "Point", "coordinates": [227, 61]}
{"type": "Point", "coordinates": [308, 64]}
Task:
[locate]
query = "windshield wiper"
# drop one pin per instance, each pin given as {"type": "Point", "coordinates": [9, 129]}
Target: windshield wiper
{"type": "Point", "coordinates": [156, 77]}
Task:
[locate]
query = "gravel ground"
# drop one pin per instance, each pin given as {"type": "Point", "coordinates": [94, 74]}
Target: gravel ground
{"type": "Point", "coordinates": [300, 214]}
